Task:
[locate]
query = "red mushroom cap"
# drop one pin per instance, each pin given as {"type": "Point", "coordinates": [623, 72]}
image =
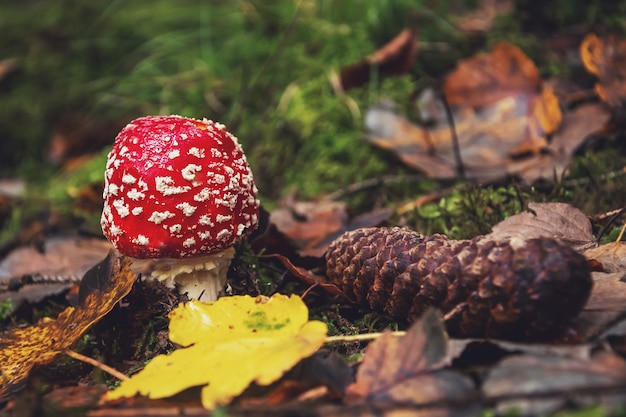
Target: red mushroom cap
{"type": "Point", "coordinates": [177, 187]}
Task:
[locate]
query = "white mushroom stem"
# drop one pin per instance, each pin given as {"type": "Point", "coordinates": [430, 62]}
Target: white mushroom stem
{"type": "Point", "coordinates": [201, 278]}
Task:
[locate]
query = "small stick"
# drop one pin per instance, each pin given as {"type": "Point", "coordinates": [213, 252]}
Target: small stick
{"type": "Point", "coordinates": [106, 368]}
{"type": "Point", "coordinates": [359, 337]}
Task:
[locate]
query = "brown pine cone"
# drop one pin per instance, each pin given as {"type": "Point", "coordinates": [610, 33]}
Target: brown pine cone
{"type": "Point", "coordinates": [505, 289]}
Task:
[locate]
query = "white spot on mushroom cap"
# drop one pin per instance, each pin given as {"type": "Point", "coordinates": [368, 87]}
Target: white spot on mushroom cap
{"type": "Point", "coordinates": [203, 195]}
{"type": "Point", "coordinates": [137, 210]}
{"type": "Point", "coordinates": [141, 240]}
{"type": "Point", "coordinates": [189, 242]}
{"type": "Point", "coordinates": [165, 185]}
{"type": "Point", "coordinates": [174, 154]}
{"type": "Point", "coordinates": [205, 220]}
{"type": "Point", "coordinates": [158, 217]}
{"type": "Point", "coordinates": [197, 152]}
{"type": "Point", "coordinates": [224, 234]}
{"type": "Point", "coordinates": [189, 172]}
{"type": "Point", "coordinates": [220, 218]}
{"type": "Point", "coordinates": [128, 179]}
{"type": "Point", "coordinates": [135, 194]}
{"type": "Point", "coordinates": [113, 189]}
{"type": "Point", "coordinates": [175, 228]}
{"type": "Point", "coordinates": [186, 208]}
{"type": "Point", "coordinates": [114, 230]}
{"type": "Point", "coordinates": [204, 235]}
{"type": "Point", "coordinates": [122, 209]}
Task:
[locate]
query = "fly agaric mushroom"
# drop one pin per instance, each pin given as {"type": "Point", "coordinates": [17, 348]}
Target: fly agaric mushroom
{"type": "Point", "coordinates": [180, 191]}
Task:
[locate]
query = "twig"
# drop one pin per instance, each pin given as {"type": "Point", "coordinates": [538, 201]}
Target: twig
{"type": "Point", "coordinates": [456, 148]}
{"type": "Point", "coordinates": [372, 183]}
{"type": "Point", "coordinates": [615, 214]}
{"type": "Point", "coordinates": [359, 337]}
{"type": "Point", "coordinates": [106, 368]}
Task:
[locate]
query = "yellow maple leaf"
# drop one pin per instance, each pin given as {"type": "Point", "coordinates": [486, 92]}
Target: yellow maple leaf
{"type": "Point", "coordinates": [228, 343]}
{"type": "Point", "coordinates": [22, 349]}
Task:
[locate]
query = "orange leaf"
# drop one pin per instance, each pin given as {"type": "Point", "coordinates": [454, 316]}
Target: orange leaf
{"type": "Point", "coordinates": [606, 58]}
{"type": "Point", "coordinates": [486, 78]}
{"type": "Point", "coordinates": [22, 349]}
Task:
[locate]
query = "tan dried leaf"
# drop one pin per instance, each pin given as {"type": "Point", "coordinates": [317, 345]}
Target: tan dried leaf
{"type": "Point", "coordinates": [407, 369]}
{"type": "Point", "coordinates": [612, 256]}
{"type": "Point", "coordinates": [554, 220]}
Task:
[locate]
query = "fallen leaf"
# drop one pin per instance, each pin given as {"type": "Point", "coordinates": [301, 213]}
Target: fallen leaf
{"type": "Point", "coordinates": [63, 258]}
{"type": "Point", "coordinates": [408, 370]}
{"type": "Point", "coordinates": [555, 220]}
{"type": "Point", "coordinates": [578, 125]}
{"type": "Point", "coordinates": [312, 225]}
{"type": "Point", "coordinates": [543, 384]}
{"type": "Point", "coordinates": [481, 19]}
{"type": "Point", "coordinates": [228, 344]}
{"type": "Point", "coordinates": [489, 138]}
{"type": "Point", "coordinates": [396, 57]}
{"type": "Point", "coordinates": [489, 77]}
{"type": "Point", "coordinates": [606, 58]}
{"type": "Point", "coordinates": [22, 349]}
{"type": "Point", "coordinates": [612, 256]}
{"type": "Point", "coordinates": [606, 304]}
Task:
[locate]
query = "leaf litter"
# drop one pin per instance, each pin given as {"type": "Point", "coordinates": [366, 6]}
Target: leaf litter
{"type": "Point", "coordinates": [507, 125]}
{"type": "Point", "coordinates": [22, 349]}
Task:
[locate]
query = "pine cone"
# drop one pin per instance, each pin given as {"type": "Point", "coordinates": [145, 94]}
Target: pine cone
{"type": "Point", "coordinates": [486, 288]}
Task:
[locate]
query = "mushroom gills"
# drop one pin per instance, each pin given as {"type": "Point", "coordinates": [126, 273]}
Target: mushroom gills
{"type": "Point", "coordinates": [201, 278]}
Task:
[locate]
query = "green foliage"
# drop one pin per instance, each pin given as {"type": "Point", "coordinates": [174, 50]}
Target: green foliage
{"type": "Point", "coordinates": [6, 309]}
{"type": "Point", "coordinates": [470, 210]}
{"type": "Point", "coordinates": [262, 68]}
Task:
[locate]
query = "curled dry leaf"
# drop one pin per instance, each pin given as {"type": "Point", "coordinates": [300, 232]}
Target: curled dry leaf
{"type": "Point", "coordinates": [552, 220]}
{"type": "Point", "coordinates": [407, 370]}
{"type": "Point", "coordinates": [606, 59]}
{"type": "Point", "coordinates": [24, 348]}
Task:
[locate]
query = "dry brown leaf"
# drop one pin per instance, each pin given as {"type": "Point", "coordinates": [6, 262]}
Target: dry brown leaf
{"type": "Point", "coordinates": [407, 370]}
{"type": "Point", "coordinates": [396, 57]}
{"type": "Point", "coordinates": [606, 59]}
{"type": "Point", "coordinates": [24, 348]}
{"type": "Point", "coordinates": [555, 220]}
{"type": "Point", "coordinates": [489, 138]}
{"type": "Point", "coordinates": [612, 256]}
{"type": "Point", "coordinates": [608, 294]}
{"type": "Point", "coordinates": [500, 111]}
{"type": "Point", "coordinates": [486, 78]}
{"type": "Point", "coordinates": [520, 377]}
{"type": "Point", "coordinates": [577, 126]}
{"type": "Point", "coordinates": [481, 19]}
{"type": "Point", "coordinates": [606, 304]}
{"type": "Point", "coordinates": [65, 258]}
{"type": "Point", "coordinates": [312, 225]}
